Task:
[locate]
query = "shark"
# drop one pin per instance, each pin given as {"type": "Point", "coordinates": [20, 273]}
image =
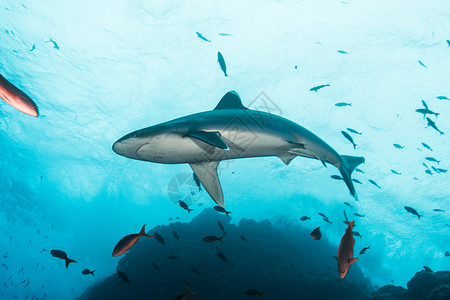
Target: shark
{"type": "Point", "coordinates": [230, 131]}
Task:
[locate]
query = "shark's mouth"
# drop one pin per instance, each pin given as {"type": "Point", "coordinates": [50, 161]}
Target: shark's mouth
{"type": "Point", "coordinates": [140, 151]}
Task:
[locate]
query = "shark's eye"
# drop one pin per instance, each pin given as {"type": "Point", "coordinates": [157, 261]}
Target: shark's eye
{"type": "Point", "coordinates": [134, 135]}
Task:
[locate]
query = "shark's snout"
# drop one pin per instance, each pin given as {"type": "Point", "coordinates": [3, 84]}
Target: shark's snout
{"type": "Point", "coordinates": [127, 145]}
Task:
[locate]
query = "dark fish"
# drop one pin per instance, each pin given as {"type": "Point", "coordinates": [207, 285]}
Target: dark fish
{"type": "Point", "coordinates": [194, 270]}
{"type": "Point", "coordinates": [222, 210]}
{"type": "Point", "coordinates": [43, 249]}
{"type": "Point", "coordinates": [253, 292]}
{"type": "Point", "coordinates": [447, 253]}
{"type": "Point", "coordinates": [399, 146]}
{"type": "Point", "coordinates": [225, 34]}
{"type": "Point", "coordinates": [359, 170]}
{"type": "Point", "coordinates": [438, 210]}
{"type": "Point", "coordinates": [32, 48]}
{"type": "Point", "coordinates": [374, 183]}
{"type": "Point", "coordinates": [442, 98]}
{"type": "Point", "coordinates": [322, 215]}
{"type": "Point", "coordinates": [5, 266]}
{"type": "Point", "coordinates": [222, 64]}
{"type": "Point", "coordinates": [175, 235]}
{"type": "Point", "coordinates": [413, 211]}
{"type": "Point", "coordinates": [155, 265]}
{"type": "Point", "coordinates": [170, 219]}
{"type": "Point", "coordinates": [213, 238]}
{"type": "Point", "coordinates": [433, 125]}
{"type": "Point", "coordinates": [439, 170]}
{"type": "Point", "coordinates": [316, 88]}
{"type": "Point", "coordinates": [342, 51]}
{"type": "Point", "coordinates": [342, 104]}
{"type": "Point", "coordinates": [448, 43]}
{"type": "Point", "coordinates": [185, 206]}
{"type": "Point", "coordinates": [395, 172]}
{"type": "Point", "coordinates": [62, 255]}
{"type": "Point", "coordinates": [221, 227]}
{"type": "Point", "coordinates": [337, 177]}
{"type": "Point", "coordinates": [348, 204]}
{"type": "Point", "coordinates": [159, 238]}
{"type": "Point", "coordinates": [349, 138]}
{"type": "Point", "coordinates": [353, 131]}
{"type": "Point", "coordinates": [356, 180]}
{"type": "Point", "coordinates": [428, 172]}
{"type": "Point", "coordinates": [426, 111]}
{"type": "Point", "coordinates": [55, 45]}
{"type": "Point", "coordinates": [200, 36]}
{"type": "Point", "coordinates": [243, 238]}
{"type": "Point", "coordinates": [363, 250]}
{"type": "Point", "coordinates": [304, 218]}
{"type": "Point", "coordinates": [123, 277]}
{"type": "Point", "coordinates": [185, 295]}
{"type": "Point", "coordinates": [327, 220]}
{"type": "Point", "coordinates": [422, 64]}
{"type": "Point", "coordinates": [197, 181]}
{"type": "Point", "coordinates": [355, 233]}
{"type": "Point", "coordinates": [173, 257]}
{"type": "Point", "coordinates": [128, 241]}
{"type": "Point", "coordinates": [425, 165]}
{"type": "Point", "coordinates": [87, 272]}
{"type": "Point", "coordinates": [222, 256]}
{"type": "Point", "coordinates": [316, 234]}
{"type": "Point", "coordinates": [358, 215]}
{"type": "Point", "coordinates": [427, 269]}
{"type": "Point", "coordinates": [432, 159]}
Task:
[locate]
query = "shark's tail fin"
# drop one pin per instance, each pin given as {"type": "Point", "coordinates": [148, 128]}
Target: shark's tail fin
{"type": "Point", "coordinates": [349, 163]}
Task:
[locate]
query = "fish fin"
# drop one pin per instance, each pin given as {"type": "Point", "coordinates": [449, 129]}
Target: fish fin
{"type": "Point", "coordinates": [287, 158]}
{"type": "Point", "coordinates": [207, 174]}
{"type": "Point", "coordinates": [349, 163]}
{"type": "Point", "coordinates": [231, 100]}
{"type": "Point", "coordinates": [336, 257]}
{"type": "Point", "coordinates": [68, 261]}
{"type": "Point", "coordinates": [352, 260]}
{"type": "Point", "coordinates": [210, 137]}
{"type": "Point", "coordinates": [424, 104]}
{"type": "Point", "coordinates": [142, 232]}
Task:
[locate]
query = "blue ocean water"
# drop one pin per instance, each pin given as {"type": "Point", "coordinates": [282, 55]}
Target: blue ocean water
{"type": "Point", "coordinates": [98, 71]}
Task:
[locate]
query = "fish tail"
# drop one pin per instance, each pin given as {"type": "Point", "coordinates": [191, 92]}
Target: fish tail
{"type": "Point", "coordinates": [68, 261]}
{"type": "Point", "coordinates": [188, 291]}
{"type": "Point", "coordinates": [347, 166]}
{"type": "Point", "coordinates": [419, 216]}
{"type": "Point", "coordinates": [190, 209]}
{"type": "Point", "coordinates": [227, 213]}
{"type": "Point", "coordinates": [221, 238]}
{"type": "Point", "coordinates": [92, 272]}
{"type": "Point", "coordinates": [142, 232]}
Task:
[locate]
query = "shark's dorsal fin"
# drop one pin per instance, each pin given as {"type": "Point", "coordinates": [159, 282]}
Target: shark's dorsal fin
{"type": "Point", "coordinates": [207, 174]}
{"type": "Point", "coordinates": [231, 100]}
{"type": "Point", "coordinates": [210, 137]}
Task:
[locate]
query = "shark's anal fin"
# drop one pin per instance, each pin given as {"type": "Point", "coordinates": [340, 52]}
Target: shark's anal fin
{"type": "Point", "coordinates": [212, 138]}
{"type": "Point", "coordinates": [207, 174]}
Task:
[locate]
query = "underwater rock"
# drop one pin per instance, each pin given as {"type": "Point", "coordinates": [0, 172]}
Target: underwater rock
{"type": "Point", "coordinates": [280, 260]}
{"type": "Point", "coordinates": [442, 292]}
{"type": "Point", "coordinates": [388, 292]}
{"type": "Point", "coordinates": [423, 282]}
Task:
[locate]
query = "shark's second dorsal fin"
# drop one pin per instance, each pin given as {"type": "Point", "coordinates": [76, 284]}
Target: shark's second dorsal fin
{"type": "Point", "coordinates": [231, 100]}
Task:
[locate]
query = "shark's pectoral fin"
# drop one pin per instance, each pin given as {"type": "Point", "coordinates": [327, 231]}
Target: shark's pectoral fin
{"type": "Point", "coordinates": [212, 138]}
{"type": "Point", "coordinates": [207, 174]}
{"type": "Point", "coordinates": [287, 157]}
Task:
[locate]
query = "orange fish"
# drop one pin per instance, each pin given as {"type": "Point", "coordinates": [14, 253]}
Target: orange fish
{"type": "Point", "coordinates": [345, 252]}
{"type": "Point", "coordinates": [185, 295]}
{"type": "Point", "coordinates": [16, 98]}
{"type": "Point", "coordinates": [128, 241]}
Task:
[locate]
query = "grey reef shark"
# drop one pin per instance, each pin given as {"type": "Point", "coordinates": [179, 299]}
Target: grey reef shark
{"type": "Point", "coordinates": [230, 131]}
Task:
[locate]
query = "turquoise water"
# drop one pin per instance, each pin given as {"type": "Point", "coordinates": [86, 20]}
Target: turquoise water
{"type": "Point", "coordinates": [119, 66]}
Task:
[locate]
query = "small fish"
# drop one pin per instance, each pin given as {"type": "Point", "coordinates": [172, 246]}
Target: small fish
{"type": "Point", "coordinates": [43, 250]}
{"type": "Point", "coordinates": [399, 146]}
{"type": "Point", "coordinates": [355, 233]}
{"type": "Point", "coordinates": [426, 146]}
{"type": "Point", "coordinates": [359, 215]}
{"type": "Point", "coordinates": [359, 170]}
{"type": "Point", "coordinates": [447, 253]}
{"type": "Point", "coordinates": [55, 45]}
{"type": "Point", "coordinates": [32, 48]}
{"type": "Point", "coordinates": [321, 214]}
{"type": "Point", "coordinates": [194, 270]}
{"type": "Point", "coordinates": [327, 220]}
{"type": "Point", "coordinates": [429, 158]}
{"type": "Point", "coordinates": [316, 234]}
{"type": "Point", "coordinates": [222, 210]}
{"type": "Point", "coordinates": [345, 251]}
{"type": "Point", "coordinates": [442, 98]}
{"type": "Point", "coordinates": [448, 43]}
{"type": "Point", "coordinates": [426, 111]}
{"type": "Point", "coordinates": [5, 266]}
{"type": "Point", "coordinates": [197, 181]}
{"type": "Point", "coordinates": [123, 277]}
{"type": "Point", "coordinates": [253, 292]}
{"type": "Point", "coordinates": [349, 138]}
{"type": "Point", "coordinates": [304, 218]}
{"type": "Point", "coordinates": [422, 64]}
{"type": "Point", "coordinates": [438, 210]}
{"type": "Point", "coordinates": [185, 206]}
{"type": "Point", "coordinates": [62, 255]}
{"type": "Point", "coordinates": [374, 183]}
{"type": "Point", "coordinates": [175, 235]}
{"type": "Point", "coordinates": [155, 265]}
{"type": "Point", "coordinates": [128, 241]}
{"type": "Point", "coordinates": [428, 172]}
{"type": "Point", "coordinates": [353, 131]}
{"type": "Point", "coordinates": [200, 36]}
{"type": "Point", "coordinates": [87, 272]}
{"type": "Point", "coordinates": [433, 125]}
{"type": "Point", "coordinates": [427, 269]}
{"type": "Point", "coordinates": [225, 34]}
{"type": "Point", "coordinates": [221, 227]}
{"type": "Point", "coordinates": [363, 250]}
{"type": "Point", "coordinates": [395, 172]}
{"type": "Point", "coordinates": [412, 210]}
{"type": "Point", "coordinates": [439, 170]}
{"type": "Point", "coordinates": [222, 256]}
{"type": "Point", "coordinates": [337, 177]}
{"type": "Point", "coordinates": [425, 165]}
{"type": "Point", "coordinates": [185, 295]}
{"type": "Point", "coordinates": [173, 257]}
{"type": "Point", "coordinates": [342, 104]}
{"type": "Point", "coordinates": [348, 204]}
{"type": "Point", "coordinates": [222, 64]}
{"type": "Point", "coordinates": [159, 238]}
{"type": "Point", "coordinates": [243, 238]}
{"type": "Point", "coordinates": [16, 98]}
{"type": "Point", "coordinates": [342, 51]}
{"type": "Point", "coordinates": [316, 88]}
{"type": "Point", "coordinates": [170, 219]}
{"type": "Point", "coordinates": [213, 238]}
